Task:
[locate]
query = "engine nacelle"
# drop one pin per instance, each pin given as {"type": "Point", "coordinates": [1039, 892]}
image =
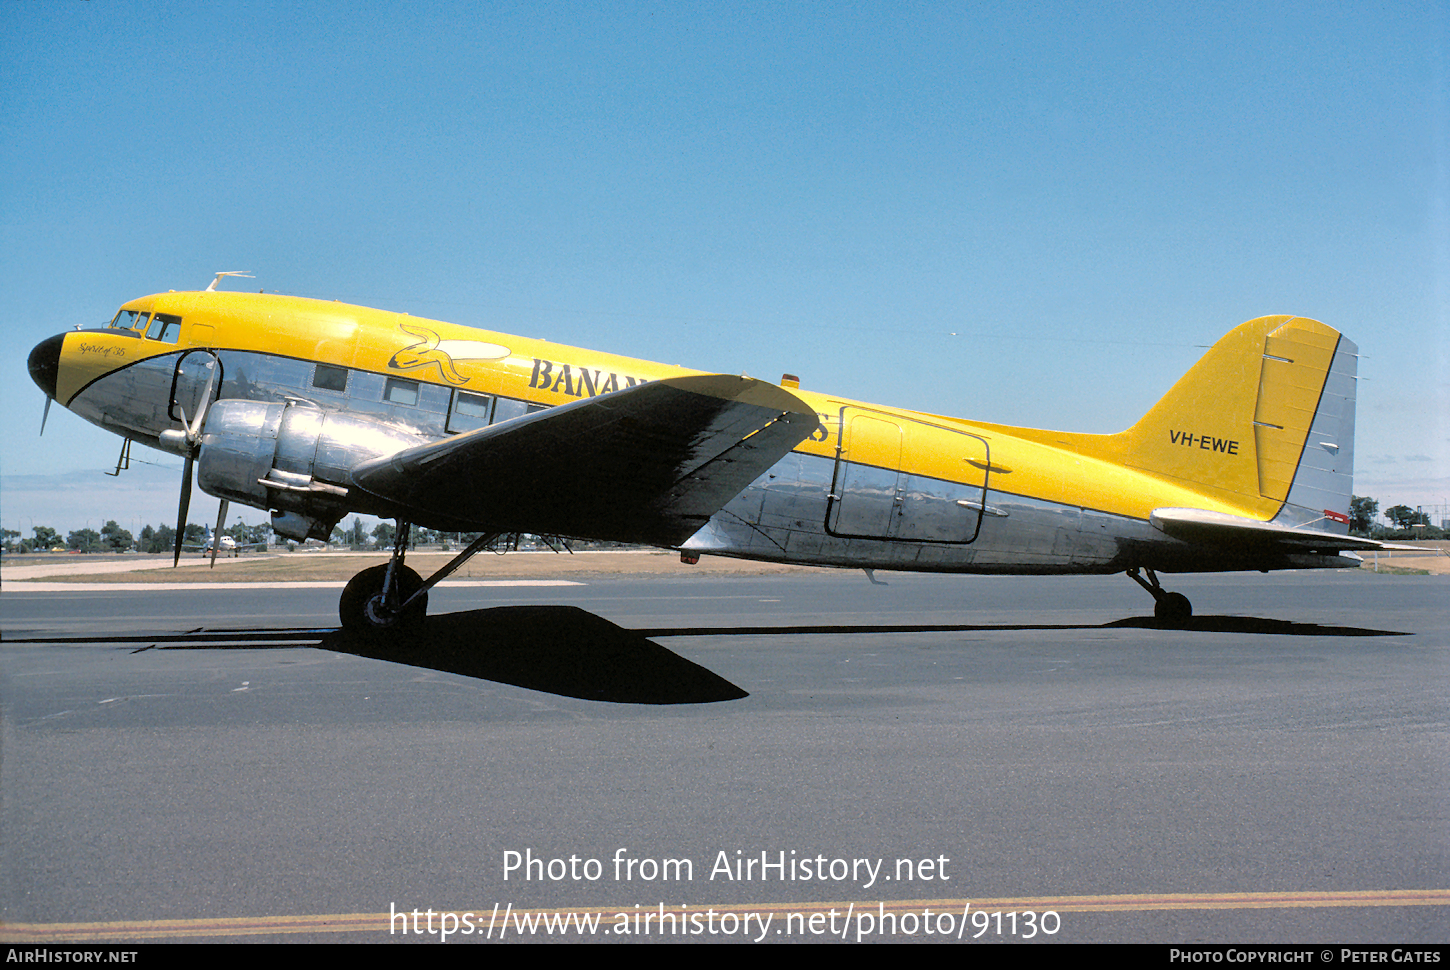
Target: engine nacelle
{"type": "Point", "coordinates": [293, 458]}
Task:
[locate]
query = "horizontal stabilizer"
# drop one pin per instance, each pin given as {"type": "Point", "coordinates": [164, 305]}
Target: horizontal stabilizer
{"type": "Point", "coordinates": [1207, 528]}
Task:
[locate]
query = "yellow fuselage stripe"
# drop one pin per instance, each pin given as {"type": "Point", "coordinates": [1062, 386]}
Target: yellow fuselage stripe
{"type": "Point", "coordinates": [1070, 469]}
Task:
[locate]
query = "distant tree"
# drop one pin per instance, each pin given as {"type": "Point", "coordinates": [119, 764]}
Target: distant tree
{"type": "Point", "coordinates": [45, 538]}
{"type": "Point", "coordinates": [1403, 516]}
{"type": "Point", "coordinates": [116, 538]}
{"type": "Point", "coordinates": [83, 540]}
{"type": "Point", "coordinates": [160, 539]}
{"type": "Point", "coordinates": [383, 534]}
{"type": "Point", "coordinates": [1362, 511]}
{"type": "Point", "coordinates": [194, 534]}
{"type": "Point", "coordinates": [245, 534]}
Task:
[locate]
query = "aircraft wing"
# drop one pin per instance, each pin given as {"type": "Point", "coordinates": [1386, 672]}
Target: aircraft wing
{"type": "Point", "coordinates": [1221, 529]}
{"type": "Point", "coordinates": [648, 464]}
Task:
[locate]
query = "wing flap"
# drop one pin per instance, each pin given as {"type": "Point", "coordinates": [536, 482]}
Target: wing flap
{"type": "Point", "coordinates": [649, 464]}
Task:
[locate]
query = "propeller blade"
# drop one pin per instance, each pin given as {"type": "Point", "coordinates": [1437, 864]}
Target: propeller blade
{"type": "Point", "coordinates": [45, 414]}
{"type": "Point", "coordinates": [182, 509]}
{"type": "Point", "coordinates": [193, 430]}
{"type": "Point", "coordinates": [216, 537]}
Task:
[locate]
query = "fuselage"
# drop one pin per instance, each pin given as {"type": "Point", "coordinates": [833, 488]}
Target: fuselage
{"type": "Point", "coordinates": [874, 486]}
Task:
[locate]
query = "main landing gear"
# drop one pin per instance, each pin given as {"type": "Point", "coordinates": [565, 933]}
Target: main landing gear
{"type": "Point", "coordinates": [1168, 607]}
{"type": "Point", "coordinates": [393, 598]}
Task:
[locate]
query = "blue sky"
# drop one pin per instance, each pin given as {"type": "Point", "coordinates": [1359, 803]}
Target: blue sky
{"type": "Point", "coordinates": [1035, 214]}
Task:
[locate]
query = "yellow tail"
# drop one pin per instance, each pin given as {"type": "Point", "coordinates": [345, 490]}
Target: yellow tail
{"type": "Point", "coordinates": [1264, 422]}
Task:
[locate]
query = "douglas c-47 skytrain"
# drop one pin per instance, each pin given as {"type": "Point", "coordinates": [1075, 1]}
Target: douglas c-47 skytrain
{"type": "Point", "coordinates": [316, 410]}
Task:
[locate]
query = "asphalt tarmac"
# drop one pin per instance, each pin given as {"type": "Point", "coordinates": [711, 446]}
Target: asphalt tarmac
{"type": "Point", "coordinates": [781, 759]}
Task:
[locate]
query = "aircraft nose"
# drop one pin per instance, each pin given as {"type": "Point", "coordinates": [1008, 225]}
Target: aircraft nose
{"type": "Point", "coordinates": [45, 363]}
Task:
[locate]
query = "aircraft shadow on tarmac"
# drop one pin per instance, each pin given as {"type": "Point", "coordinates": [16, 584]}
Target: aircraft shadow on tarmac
{"type": "Point", "coordinates": [568, 651]}
{"type": "Point", "coordinates": [557, 649]}
{"type": "Point", "coordinates": [573, 653]}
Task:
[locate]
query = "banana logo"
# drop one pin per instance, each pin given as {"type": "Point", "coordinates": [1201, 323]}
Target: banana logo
{"type": "Point", "coordinates": [429, 350]}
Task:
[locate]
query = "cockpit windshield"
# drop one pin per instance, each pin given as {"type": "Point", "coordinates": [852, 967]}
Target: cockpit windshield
{"type": "Point", "coordinates": [165, 327]}
{"type": "Point", "coordinates": [130, 320]}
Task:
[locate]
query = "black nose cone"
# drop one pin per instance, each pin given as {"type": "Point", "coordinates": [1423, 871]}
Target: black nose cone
{"type": "Point", "coordinates": [45, 363]}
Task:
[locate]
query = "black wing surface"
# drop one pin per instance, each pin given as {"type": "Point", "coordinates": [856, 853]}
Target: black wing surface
{"type": "Point", "coordinates": [649, 464]}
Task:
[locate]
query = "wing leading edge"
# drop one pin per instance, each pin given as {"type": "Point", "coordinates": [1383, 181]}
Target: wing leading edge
{"type": "Point", "coordinates": [649, 464]}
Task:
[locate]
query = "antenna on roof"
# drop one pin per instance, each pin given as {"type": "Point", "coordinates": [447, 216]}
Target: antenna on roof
{"type": "Point", "coordinates": [235, 272]}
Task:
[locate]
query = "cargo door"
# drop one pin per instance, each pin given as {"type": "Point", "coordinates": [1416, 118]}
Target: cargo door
{"type": "Point", "coordinates": [945, 488]}
{"type": "Point", "coordinates": [900, 478]}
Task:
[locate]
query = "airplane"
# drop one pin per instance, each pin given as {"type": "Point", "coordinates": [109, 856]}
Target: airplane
{"type": "Point", "coordinates": [314, 410]}
{"type": "Point", "coordinates": [226, 544]}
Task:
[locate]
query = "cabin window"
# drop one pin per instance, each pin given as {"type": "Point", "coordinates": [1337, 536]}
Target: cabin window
{"type": "Point", "coordinates": [473, 405]}
{"type": "Point", "coordinates": [469, 411]}
{"type": "Point", "coordinates": [330, 378]}
{"type": "Point", "coordinates": [164, 327]}
{"type": "Point", "coordinates": [398, 391]}
{"type": "Point", "coordinates": [508, 408]}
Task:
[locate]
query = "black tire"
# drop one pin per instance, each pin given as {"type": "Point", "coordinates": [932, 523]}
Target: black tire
{"type": "Point", "coordinates": [1173, 608]}
{"type": "Point", "coordinates": [358, 607]}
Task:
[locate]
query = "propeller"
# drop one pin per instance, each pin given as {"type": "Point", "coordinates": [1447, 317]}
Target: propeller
{"type": "Point", "coordinates": [216, 537]}
{"type": "Point", "coordinates": [192, 430]}
{"type": "Point", "coordinates": [181, 512]}
{"type": "Point", "coordinates": [45, 414]}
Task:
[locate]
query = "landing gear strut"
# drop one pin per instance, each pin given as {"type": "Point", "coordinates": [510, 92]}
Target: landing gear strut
{"type": "Point", "coordinates": [394, 598]}
{"type": "Point", "coordinates": [1167, 607]}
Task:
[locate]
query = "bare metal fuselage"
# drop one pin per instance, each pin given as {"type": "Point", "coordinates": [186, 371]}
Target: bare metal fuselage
{"type": "Point", "coordinates": [299, 394]}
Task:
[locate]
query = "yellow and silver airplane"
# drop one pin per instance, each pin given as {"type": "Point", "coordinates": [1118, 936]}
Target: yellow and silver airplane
{"type": "Point", "coordinates": [315, 410]}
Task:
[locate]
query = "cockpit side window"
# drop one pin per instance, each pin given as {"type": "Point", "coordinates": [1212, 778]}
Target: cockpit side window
{"type": "Point", "coordinates": [164, 327]}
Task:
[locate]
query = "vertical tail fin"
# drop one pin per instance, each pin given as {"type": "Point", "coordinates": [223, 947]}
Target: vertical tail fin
{"type": "Point", "coordinates": [1263, 422]}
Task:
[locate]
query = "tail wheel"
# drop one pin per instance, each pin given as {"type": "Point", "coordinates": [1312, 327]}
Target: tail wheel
{"type": "Point", "coordinates": [1168, 608]}
{"type": "Point", "coordinates": [363, 606]}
